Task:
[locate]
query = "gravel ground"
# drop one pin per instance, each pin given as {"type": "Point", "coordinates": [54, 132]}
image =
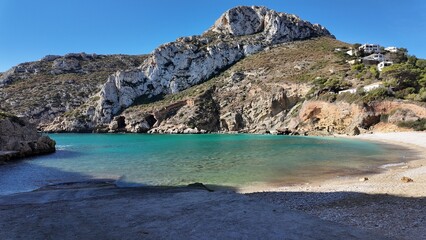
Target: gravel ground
{"type": "Point", "coordinates": [107, 212]}
{"type": "Point", "coordinates": [381, 202]}
{"type": "Point", "coordinates": [392, 216]}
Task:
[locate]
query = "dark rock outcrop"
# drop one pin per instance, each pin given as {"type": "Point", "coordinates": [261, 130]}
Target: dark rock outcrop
{"type": "Point", "coordinates": [19, 138]}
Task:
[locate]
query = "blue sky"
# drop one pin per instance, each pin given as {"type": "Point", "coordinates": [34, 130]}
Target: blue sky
{"type": "Point", "coordinates": [31, 29]}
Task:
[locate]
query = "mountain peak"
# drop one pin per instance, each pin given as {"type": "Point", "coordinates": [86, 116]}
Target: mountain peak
{"type": "Point", "coordinates": [248, 20]}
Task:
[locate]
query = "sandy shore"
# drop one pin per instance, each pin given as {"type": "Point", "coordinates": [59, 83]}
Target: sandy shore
{"type": "Point", "coordinates": [381, 202]}
{"type": "Point", "coordinates": [386, 182]}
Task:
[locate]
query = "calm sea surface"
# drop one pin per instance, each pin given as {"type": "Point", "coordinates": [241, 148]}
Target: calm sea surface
{"type": "Point", "coordinates": [174, 160]}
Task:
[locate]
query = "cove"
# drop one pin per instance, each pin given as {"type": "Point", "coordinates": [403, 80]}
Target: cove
{"type": "Point", "coordinates": [217, 159]}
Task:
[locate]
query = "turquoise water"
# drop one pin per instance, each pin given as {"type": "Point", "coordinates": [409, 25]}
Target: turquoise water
{"type": "Point", "coordinates": [173, 160]}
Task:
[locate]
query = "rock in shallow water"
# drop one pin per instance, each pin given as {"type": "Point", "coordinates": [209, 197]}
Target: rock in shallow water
{"type": "Point", "coordinates": [19, 138]}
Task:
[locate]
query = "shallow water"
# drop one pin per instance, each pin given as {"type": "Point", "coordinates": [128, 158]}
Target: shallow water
{"type": "Point", "coordinates": [173, 160]}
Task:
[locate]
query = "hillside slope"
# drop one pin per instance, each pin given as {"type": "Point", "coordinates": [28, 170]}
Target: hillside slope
{"type": "Point", "coordinates": [255, 70]}
{"type": "Point", "coordinates": [44, 89]}
{"type": "Point", "coordinates": [272, 91]}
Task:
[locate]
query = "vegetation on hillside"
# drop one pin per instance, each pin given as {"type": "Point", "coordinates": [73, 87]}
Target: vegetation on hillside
{"type": "Point", "coordinates": [44, 93]}
{"type": "Point", "coordinates": [315, 63]}
{"type": "Point", "coordinates": [4, 115]}
{"type": "Point", "coordinates": [309, 69]}
{"type": "Point", "coordinates": [418, 125]}
{"type": "Point", "coordinates": [406, 79]}
{"type": "Point", "coordinates": [297, 63]}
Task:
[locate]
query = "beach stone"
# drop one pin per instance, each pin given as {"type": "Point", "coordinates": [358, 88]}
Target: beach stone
{"type": "Point", "coordinates": [355, 131]}
{"type": "Point", "coordinates": [19, 138]}
{"type": "Point", "coordinates": [363, 179]}
{"type": "Point", "coordinates": [407, 179]}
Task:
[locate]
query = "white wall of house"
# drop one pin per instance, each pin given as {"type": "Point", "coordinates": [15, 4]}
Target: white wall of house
{"type": "Point", "coordinates": [376, 57]}
{"type": "Point", "coordinates": [370, 48]}
{"type": "Point", "coordinates": [351, 90]}
{"type": "Point", "coordinates": [366, 88]}
{"type": "Point", "coordinates": [391, 49]}
{"type": "Point", "coordinates": [383, 64]}
{"type": "Point", "coordinates": [351, 52]}
{"type": "Point", "coordinates": [373, 86]}
{"type": "Point", "coordinates": [352, 62]}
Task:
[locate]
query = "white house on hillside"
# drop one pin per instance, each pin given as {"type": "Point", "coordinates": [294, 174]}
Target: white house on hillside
{"type": "Point", "coordinates": [351, 52]}
{"type": "Point", "coordinates": [375, 57]}
{"type": "Point", "coordinates": [353, 61]}
{"type": "Point", "coordinates": [383, 64]}
{"type": "Point", "coordinates": [370, 48]}
{"type": "Point", "coordinates": [391, 49]}
{"type": "Point", "coordinates": [373, 86]}
{"type": "Point", "coordinates": [365, 88]}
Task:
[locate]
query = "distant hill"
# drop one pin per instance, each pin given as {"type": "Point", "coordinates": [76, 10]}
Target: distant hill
{"type": "Point", "coordinates": [45, 89]}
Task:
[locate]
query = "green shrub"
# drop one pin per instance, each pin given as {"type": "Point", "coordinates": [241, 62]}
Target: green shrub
{"type": "Point", "coordinates": [376, 94]}
{"type": "Point", "coordinates": [348, 97]}
{"type": "Point", "coordinates": [328, 97]}
{"type": "Point", "coordinates": [374, 72]}
{"type": "Point", "coordinates": [421, 63]}
{"type": "Point", "coordinates": [405, 92]}
{"type": "Point", "coordinates": [384, 118]}
{"type": "Point", "coordinates": [358, 67]}
{"type": "Point", "coordinates": [4, 115]}
{"type": "Point", "coordinates": [401, 76]}
{"type": "Point", "coordinates": [419, 125]}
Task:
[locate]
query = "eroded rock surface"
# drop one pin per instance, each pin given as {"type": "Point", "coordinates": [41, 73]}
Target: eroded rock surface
{"type": "Point", "coordinates": [178, 65]}
{"type": "Point", "coordinates": [19, 138]}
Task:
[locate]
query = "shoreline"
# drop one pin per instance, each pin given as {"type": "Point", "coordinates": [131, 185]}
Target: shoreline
{"type": "Point", "coordinates": [381, 207]}
{"type": "Point", "coordinates": [386, 181]}
{"type": "Point", "coordinates": [383, 204]}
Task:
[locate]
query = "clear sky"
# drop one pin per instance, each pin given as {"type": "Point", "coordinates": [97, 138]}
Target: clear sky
{"type": "Point", "coordinates": [31, 29]}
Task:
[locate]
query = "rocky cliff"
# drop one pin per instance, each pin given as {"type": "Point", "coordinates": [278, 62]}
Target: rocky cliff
{"type": "Point", "coordinates": [19, 138]}
{"type": "Point", "coordinates": [188, 61]}
{"type": "Point", "coordinates": [255, 70]}
{"type": "Point", "coordinates": [53, 85]}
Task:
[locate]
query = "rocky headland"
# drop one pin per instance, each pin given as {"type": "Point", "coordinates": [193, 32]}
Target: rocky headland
{"type": "Point", "coordinates": [19, 138]}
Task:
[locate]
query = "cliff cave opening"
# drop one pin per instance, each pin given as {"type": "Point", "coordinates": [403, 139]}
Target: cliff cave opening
{"type": "Point", "coordinates": [121, 122]}
{"type": "Point", "coordinates": [151, 120]}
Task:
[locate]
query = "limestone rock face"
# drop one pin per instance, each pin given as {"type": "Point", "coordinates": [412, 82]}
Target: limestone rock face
{"type": "Point", "coordinates": [234, 107]}
{"type": "Point", "coordinates": [65, 65]}
{"type": "Point", "coordinates": [45, 89]}
{"type": "Point", "coordinates": [19, 138]}
{"type": "Point", "coordinates": [324, 118]}
{"type": "Point", "coordinates": [275, 26]}
{"type": "Point", "coordinates": [241, 21]}
{"type": "Point", "coordinates": [188, 61]}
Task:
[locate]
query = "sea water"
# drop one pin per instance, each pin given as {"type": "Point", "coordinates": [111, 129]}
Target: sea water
{"type": "Point", "coordinates": [176, 160]}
